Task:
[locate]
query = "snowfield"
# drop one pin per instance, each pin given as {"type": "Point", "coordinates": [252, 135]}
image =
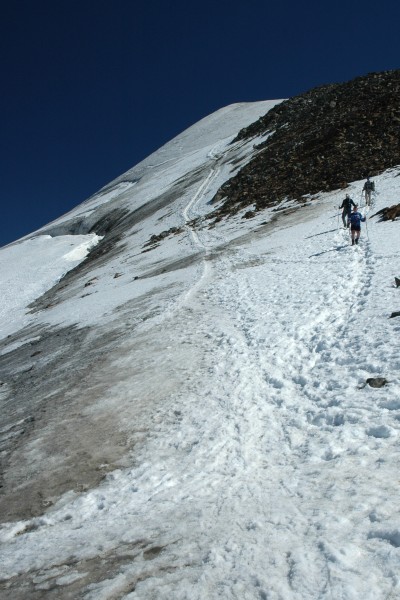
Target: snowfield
{"type": "Point", "coordinates": [30, 268]}
{"type": "Point", "coordinates": [259, 464]}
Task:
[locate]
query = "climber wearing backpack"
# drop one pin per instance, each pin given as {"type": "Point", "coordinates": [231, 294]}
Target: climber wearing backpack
{"type": "Point", "coordinates": [355, 225]}
{"type": "Point", "coordinates": [369, 187]}
{"type": "Point", "coordinates": [346, 206]}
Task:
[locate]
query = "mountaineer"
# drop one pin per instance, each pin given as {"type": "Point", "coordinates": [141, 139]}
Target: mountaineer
{"type": "Point", "coordinates": [355, 225]}
{"type": "Point", "coordinates": [369, 187]}
{"type": "Point", "coordinates": [346, 206]}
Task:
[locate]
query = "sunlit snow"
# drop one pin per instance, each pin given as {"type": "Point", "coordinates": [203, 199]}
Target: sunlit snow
{"type": "Point", "coordinates": [31, 267]}
{"type": "Point", "coordinates": [269, 468]}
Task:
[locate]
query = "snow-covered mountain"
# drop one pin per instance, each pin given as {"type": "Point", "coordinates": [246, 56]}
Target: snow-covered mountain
{"type": "Point", "coordinates": [185, 406]}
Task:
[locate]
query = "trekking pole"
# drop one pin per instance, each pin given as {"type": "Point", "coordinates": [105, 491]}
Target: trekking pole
{"type": "Point", "coordinates": [366, 227]}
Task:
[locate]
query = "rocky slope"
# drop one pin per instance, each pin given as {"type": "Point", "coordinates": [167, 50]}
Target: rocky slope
{"type": "Point", "coordinates": [319, 141]}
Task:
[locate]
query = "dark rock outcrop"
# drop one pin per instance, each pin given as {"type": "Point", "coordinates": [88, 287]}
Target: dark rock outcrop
{"type": "Point", "coordinates": [319, 141]}
{"type": "Point", "coordinates": [389, 213]}
{"type": "Point", "coordinates": [155, 239]}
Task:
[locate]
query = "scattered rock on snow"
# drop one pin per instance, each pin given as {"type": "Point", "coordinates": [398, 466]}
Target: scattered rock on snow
{"type": "Point", "coordinates": [154, 239]}
{"type": "Point", "coordinates": [91, 281]}
{"type": "Point", "coordinates": [376, 382]}
{"type": "Point", "coordinates": [249, 214]}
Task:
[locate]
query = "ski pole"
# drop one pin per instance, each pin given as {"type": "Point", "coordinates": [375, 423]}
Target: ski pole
{"type": "Point", "coordinates": [366, 227]}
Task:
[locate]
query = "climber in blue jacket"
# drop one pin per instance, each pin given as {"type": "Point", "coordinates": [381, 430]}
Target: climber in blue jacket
{"type": "Point", "coordinates": [355, 225]}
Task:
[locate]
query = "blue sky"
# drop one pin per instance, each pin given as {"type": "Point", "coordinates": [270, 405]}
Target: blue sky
{"type": "Point", "coordinates": [91, 88]}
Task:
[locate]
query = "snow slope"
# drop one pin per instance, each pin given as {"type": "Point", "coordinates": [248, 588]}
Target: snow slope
{"type": "Point", "coordinates": [258, 463]}
{"type": "Point", "coordinates": [30, 268]}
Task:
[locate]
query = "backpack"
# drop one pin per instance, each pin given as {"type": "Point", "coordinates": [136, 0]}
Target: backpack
{"type": "Point", "coordinates": [370, 185]}
{"type": "Point", "coordinates": [355, 219]}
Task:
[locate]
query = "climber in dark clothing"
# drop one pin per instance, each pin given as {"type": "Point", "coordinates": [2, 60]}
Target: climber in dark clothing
{"type": "Point", "coordinates": [369, 187]}
{"type": "Point", "coordinates": [346, 206]}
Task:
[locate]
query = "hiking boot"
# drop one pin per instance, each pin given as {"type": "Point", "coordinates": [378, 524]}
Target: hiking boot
{"type": "Point", "coordinates": [357, 241]}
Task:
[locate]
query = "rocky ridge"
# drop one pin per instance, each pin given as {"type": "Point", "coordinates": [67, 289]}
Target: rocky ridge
{"type": "Point", "coordinates": [318, 142]}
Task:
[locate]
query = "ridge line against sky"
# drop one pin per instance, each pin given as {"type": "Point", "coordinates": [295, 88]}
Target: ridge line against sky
{"type": "Point", "coordinates": [89, 90]}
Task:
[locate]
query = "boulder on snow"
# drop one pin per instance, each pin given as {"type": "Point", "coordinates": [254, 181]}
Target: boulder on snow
{"type": "Point", "coordinates": [376, 382]}
{"type": "Point", "coordinates": [389, 213]}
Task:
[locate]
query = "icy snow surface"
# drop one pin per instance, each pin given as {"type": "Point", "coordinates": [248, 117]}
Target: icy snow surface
{"type": "Point", "coordinates": [269, 470]}
{"type": "Point", "coordinates": [32, 266]}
